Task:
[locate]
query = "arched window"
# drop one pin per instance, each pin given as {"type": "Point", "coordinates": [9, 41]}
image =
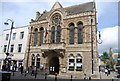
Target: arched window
{"type": "Point", "coordinates": [35, 36]}
{"type": "Point", "coordinates": [78, 62]}
{"type": "Point", "coordinates": [71, 33]}
{"type": "Point", "coordinates": [33, 60]}
{"type": "Point", "coordinates": [71, 63]}
{"type": "Point", "coordinates": [38, 61]}
{"type": "Point", "coordinates": [53, 35]}
{"type": "Point", "coordinates": [80, 33]}
{"type": "Point", "coordinates": [41, 35]}
{"type": "Point", "coordinates": [58, 34]}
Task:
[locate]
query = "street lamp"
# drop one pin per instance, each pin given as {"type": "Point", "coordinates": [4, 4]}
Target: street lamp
{"type": "Point", "coordinates": [6, 23]}
{"type": "Point", "coordinates": [99, 41]}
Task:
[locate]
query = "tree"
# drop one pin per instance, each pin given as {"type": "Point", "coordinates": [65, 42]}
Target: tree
{"type": "Point", "coordinates": [105, 58]}
{"type": "Point", "coordinates": [108, 60]}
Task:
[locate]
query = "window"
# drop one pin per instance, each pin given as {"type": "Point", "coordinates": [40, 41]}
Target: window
{"type": "Point", "coordinates": [19, 47]}
{"type": "Point", "coordinates": [71, 34]}
{"type": "Point", "coordinates": [38, 61]}
{"type": "Point", "coordinates": [7, 36]}
{"type": "Point", "coordinates": [58, 34]}
{"type": "Point", "coordinates": [53, 35]}
{"type": "Point", "coordinates": [14, 36]}
{"type": "Point", "coordinates": [78, 62]}
{"type": "Point", "coordinates": [56, 28]}
{"type": "Point", "coordinates": [5, 48]}
{"type": "Point", "coordinates": [35, 36]}
{"type": "Point", "coordinates": [71, 63]}
{"type": "Point", "coordinates": [80, 33]}
{"type": "Point", "coordinates": [21, 35]}
{"type": "Point", "coordinates": [33, 60]}
{"type": "Point", "coordinates": [41, 35]}
{"type": "Point", "coordinates": [56, 19]}
{"type": "Point", "coordinates": [12, 48]}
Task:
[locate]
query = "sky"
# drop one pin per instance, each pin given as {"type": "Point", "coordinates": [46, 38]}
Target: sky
{"type": "Point", "coordinates": [22, 11]}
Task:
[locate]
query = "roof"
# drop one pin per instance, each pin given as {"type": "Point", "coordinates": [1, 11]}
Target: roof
{"type": "Point", "coordinates": [76, 9]}
{"type": "Point", "coordinates": [80, 8]}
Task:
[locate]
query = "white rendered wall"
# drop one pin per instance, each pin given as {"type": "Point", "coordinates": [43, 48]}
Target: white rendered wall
{"type": "Point", "coordinates": [16, 55]}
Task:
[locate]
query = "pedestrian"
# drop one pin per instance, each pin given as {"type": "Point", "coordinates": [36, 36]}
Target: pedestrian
{"type": "Point", "coordinates": [35, 69]}
{"type": "Point", "coordinates": [32, 70]}
{"type": "Point", "coordinates": [106, 71]}
{"type": "Point", "coordinates": [21, 69]}
{"type": "Point", "coordinates": [35, 72]}
{"type": "Point", "coordinates": [3, 67]}
{"type": "Point", "coordinates": [85, 76]}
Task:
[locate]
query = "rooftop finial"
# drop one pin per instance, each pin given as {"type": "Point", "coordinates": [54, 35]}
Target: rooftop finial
{"type": "Point", "coordinates": [56, 5]}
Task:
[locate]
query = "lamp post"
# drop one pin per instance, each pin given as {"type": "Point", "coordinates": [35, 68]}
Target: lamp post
{"type": "Point", "coordinates": [6, 23]}
{"type": "Point", "coordinates": [99, 41]}
{"type": "Point", "coordinates": [92, 44]}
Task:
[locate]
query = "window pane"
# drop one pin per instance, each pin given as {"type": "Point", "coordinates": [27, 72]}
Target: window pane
{"type": "Point", "coordinates": [35, 37]}
{"type": "Point", "coordinates": [7, 36]}
{"type": "Point", "coordinates": [58, 34]}
{"type": "Point", "coordinates": [33, 60]}
{"type": "Point", "coordinates": [19, 47]}
{"type": "Point", "coordinates": [80, 36]}
{"type": "Point", "coordinates": [14, 36]}
{"type": "Point", "coordinates": [79, 60]}
{"type": "Point", "coordinates": [41, 36]}
{"type": "Point", "coordinates": [5, 48]}
{"type": "Point", "coordinates": [71, 60]}
{"type": "Point", "coordinates": [53, 35]}
{"type": "Point", "coordinates": [12, 48]}
{"type": "Point", "coordinates": [71, 34]}
{"type": "Point", "coordinates": [21, 35]}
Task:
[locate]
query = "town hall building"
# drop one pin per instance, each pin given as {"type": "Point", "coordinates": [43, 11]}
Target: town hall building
{"type": "Point", "coordinates": [63, 41]}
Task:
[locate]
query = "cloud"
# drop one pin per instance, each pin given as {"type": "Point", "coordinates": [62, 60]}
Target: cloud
{"type": "Point", "coordinates": [110, 39]}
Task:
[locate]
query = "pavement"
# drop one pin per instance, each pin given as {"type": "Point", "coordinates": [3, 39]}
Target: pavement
{"type": "Point", "coordinates": [41, 77]}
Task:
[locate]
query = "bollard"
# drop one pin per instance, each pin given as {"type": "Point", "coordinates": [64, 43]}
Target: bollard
{"type": "Point", "coordinates": [112, 79]}
{"type": "Point", "coordinates": [25, 73]}
{"type": "Point", "coordinates": [35, 74]}
{"type": "Point", "coordinates": [89, 78]}
{"type": "Point", "coordinates": [55, 76]}
{"type": "Point", "coordinates": [13, 73]}
{"type": "Point", "coordinates": [45, 76]}
{"type": "Point", "coordinates": [71, 77]}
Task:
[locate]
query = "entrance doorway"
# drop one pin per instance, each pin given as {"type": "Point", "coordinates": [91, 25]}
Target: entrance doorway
{"type": "Point", "coordinates": [54, 65]}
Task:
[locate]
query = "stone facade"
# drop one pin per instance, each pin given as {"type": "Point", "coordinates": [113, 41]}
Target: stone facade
{"type": "Point", "coordinates": [55, 56]}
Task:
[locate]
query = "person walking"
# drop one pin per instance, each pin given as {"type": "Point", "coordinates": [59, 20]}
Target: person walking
{"type": "Point", "coordinates": [106, 71]}
{"type": "Point", "coordinates": [21, 69]}
{"type": "Point", "coordinates": [32, 73]}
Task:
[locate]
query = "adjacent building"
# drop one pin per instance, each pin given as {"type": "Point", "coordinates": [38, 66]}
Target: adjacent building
{"type": "Point", "coordinates": [114, 53]}
{"type": "Point", "coordinates": [63, 40]}
{"type": "Point", "coordinates": [17, 47]}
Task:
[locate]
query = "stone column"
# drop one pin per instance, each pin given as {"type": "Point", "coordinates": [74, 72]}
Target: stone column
{"type": "Point", "coordinates": [38, 40]}
{"type": "Point", "coordinates": [75, 35]}
{"type": "Point", "coordinates": [49, 36]}
{"type": "Point", "coordinates": [32, 39]}
{"type": "Point", "coordinates": [62, 37]}
{"type": "Point", "coordinates": [67, 34]}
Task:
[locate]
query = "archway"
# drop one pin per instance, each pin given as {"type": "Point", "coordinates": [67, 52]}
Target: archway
{"type": "Point", "coordinates": [54, 65]}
